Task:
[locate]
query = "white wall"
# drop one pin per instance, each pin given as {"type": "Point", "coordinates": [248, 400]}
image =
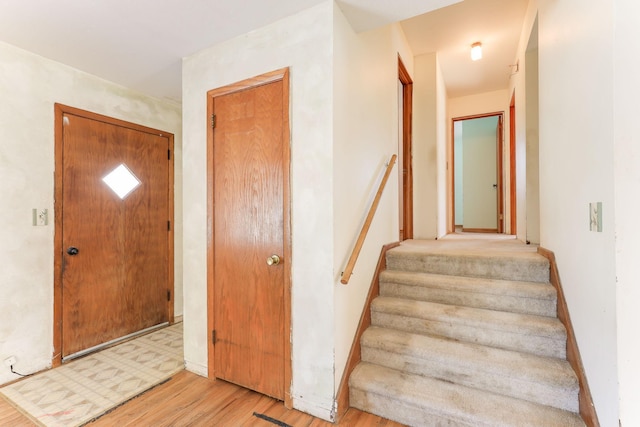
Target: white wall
{"type": "Point", "coordinates": [576, 54]}
{"type": "Point", "coordinates": [524, 179]}
{"type": "Point", "coordinates": [627, 205]}
{"type": "Point", "coordinates": [29, 87]}
{"type": "Point", "coordinates": [487, 102]}
{"type": "Point", "coordinates": [532, 146]}
{"type": "Point", "coordinates": [425, 147]}
{"type": "Point", "coordinates": [302, 42]}
{"type": "Point", "coordinates": [366, 127]}
{"type": "Point", "coordinates": [443, 153]}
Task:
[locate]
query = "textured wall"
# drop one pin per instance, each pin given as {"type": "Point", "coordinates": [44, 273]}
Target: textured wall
{"type": "Point", "coordinates": [425, 146]}
{"type": "Point", "coordinates": [29, 87]}
{"type": "Point", "coordinates": [365, 136]}
{"type": "Point", "coordinates": [302, 42]}
{"type": "Point", "coordinates": [627, 177]}
{"type": "Point", "coordinates": [576, 168]}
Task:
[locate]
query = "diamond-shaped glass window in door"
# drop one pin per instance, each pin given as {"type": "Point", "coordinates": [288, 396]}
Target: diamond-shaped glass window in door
{"type": "Point", "coordinates": [122, 181]}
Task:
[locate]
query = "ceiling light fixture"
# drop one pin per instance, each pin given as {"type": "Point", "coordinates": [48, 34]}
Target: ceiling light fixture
{"type": "Point", "coordinates": [476, 51]}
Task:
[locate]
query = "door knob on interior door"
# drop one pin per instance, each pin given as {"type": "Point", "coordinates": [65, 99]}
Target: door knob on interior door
{"type": "Point", "coordinates": [273, 260]}
{"type": "Point", "coordinates": [72, 250]}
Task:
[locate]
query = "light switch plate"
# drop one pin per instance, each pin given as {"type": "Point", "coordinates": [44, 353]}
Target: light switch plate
{"type": "Point", "coordinates": [595, 217]}
{"type": "Point", "coordinates": [40, 217]}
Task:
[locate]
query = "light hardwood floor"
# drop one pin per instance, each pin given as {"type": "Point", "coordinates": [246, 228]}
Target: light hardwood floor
{"type": "Point", "coordinates": [190, 400]}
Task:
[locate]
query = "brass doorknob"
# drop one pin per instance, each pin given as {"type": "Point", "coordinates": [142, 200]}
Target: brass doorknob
{"type": "Point", "coordinates": [273, 260]}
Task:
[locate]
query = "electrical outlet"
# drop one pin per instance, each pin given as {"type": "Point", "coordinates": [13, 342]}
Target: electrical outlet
{"type": "Point", "coordinates": [10, 361]}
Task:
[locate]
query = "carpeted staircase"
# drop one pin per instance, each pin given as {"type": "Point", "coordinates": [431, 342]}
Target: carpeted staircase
{"type": "Point", "coordinates": [466, 336]}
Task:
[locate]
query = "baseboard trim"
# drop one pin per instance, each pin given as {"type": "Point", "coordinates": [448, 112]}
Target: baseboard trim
{"type": "Point", "coordinates": [355, 355]}
{"type": "Point", "coordinates": [587, 409]}
{"type": "Point", "coordinates": [197, 368]}
{"type": "Point", "coordinates": [479, 230]}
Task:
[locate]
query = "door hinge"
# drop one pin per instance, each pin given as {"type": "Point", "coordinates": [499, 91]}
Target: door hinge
{"type": "Point", "coordinates": [168, 295]}
{"type": "Point", "coordinates": [168, 154]}
{"type": "Point", "coordinates": [213, 121]}
{"type": "Point", "coordinates": [168, 225]}
{"type": "Point", "coordinates": [213, 336]}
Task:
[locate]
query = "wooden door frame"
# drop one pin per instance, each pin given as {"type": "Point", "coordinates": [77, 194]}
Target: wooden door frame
{"type": "Point", "coordinates": [512, 165]}
{"type": "Point", "coordinates": [277, 75]}
{"type": "Point", "coordinates": [452, 178]}
{"type": "Point", "coordinates": [407, 147]}
{"type": "Point", "coordinates": [500, 162]}
{"type": "Point", "coordinates": [59, 111]}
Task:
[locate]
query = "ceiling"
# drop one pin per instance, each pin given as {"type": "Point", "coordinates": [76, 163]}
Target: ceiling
{"type": "Point", "coordinates": [450, 31]}
{"type": "Point", "coordinates": [140, 44]}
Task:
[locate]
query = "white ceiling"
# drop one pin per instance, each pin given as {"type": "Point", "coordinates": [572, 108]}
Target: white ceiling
{"type": "Point", "coordinates": [450, 31]}
{"type": "Point", "coordinates": [140, 43]}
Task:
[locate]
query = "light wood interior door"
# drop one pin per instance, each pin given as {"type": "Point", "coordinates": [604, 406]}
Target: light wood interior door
{"type": "Point", "coordinates": [116, 252]}
{"type": "Point", "coordinates": [250, 223]}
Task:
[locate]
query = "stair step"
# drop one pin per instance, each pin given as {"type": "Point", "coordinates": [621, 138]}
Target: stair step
{"type": "Point", "coordinates": [421, 401]}
{"type": "Point", "coordinates": [523, 266]}
{"type": "Point", "coordinates": [542, 380]}
{"type": "Point", "coordinates": [543, 336]}
{"type": "Point", "coordinates": [506, 295]}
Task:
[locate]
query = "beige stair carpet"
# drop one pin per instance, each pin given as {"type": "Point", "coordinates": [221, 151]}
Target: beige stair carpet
{"type": "Point", "coordinates": [465, 333]}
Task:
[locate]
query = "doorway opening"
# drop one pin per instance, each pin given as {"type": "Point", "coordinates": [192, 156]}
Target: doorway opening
{"type": "Point", "coordinates": [478, 171]}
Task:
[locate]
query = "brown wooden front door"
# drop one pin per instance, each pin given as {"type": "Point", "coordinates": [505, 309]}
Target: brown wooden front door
{"type": "Point", "coordinates": [249, 214]}
{"type": "Point", "coordinates": [116, 250]}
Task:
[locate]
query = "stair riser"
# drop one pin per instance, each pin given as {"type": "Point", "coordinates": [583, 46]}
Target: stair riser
{"type": "Point", "coordinates": [538, 345]}
{"type": "Point", "coordinates": [434, 355]}
{"type": "Point", "coordinates": [471, 376]}
{"type": "Point", "coordinates": [400, 412]}
{"type": "Point", "coordinates": [510, 304]}
{"type": "Point", "coordinates": [423, 401]}
{"type": "Point", "coordinates": [502, 268]}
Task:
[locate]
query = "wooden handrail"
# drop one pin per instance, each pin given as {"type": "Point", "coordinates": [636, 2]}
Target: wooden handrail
{"type": "Point", "coordinates": [348, 271]}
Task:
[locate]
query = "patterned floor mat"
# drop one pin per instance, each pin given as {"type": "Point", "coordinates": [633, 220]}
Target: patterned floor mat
{"type": "Point", "coordinates": [84, 389]}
